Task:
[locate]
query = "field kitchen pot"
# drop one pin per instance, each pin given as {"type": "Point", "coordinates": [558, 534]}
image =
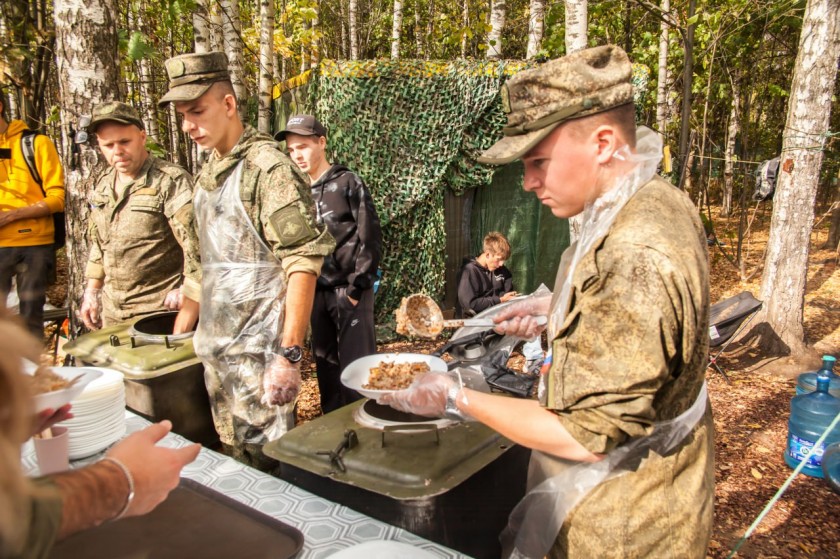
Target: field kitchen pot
{"type": "Point", "coordinates": [452, 483]}
{"type": "Point", "coordinates": [163, 377]}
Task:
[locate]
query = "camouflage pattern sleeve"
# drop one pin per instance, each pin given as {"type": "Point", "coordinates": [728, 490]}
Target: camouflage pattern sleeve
{"type": "Point", "coordinates": [179, 213]}
{"type": "Point", "coordinates": [287, 214]}
{"type": "Point", "coordinates": [617, 352]}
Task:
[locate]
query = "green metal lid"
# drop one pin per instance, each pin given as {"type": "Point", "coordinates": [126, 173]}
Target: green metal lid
{"type": "Point", "coordinates": [401, 465]}
{"type": "Point", "coordinates": [135, 355]}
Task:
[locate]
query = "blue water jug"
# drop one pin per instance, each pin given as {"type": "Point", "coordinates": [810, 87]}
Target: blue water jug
{"type": "Point", "coordinates": [807, 382]}
{"type": "Point", "coordinates": [810, 415]}
{"type": "Point", "coordinates": [831, 466]}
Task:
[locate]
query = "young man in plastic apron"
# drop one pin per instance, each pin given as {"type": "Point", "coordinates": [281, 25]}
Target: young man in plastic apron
{"type": "Point", "coordinates": [622, 433]}
{"type": "Point", "coordinates": [261, 251]}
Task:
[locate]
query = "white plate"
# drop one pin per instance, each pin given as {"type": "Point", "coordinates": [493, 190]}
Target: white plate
{"type": "Point", "coordinates": [58, 398]}
{"type": "Point", "coordinates": [356, 373]}
{"type": "Point", "coordinates": [383, 549]}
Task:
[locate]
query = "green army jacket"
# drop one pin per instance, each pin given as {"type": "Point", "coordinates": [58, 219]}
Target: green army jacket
{"type": "Point", "coordinates": [632, 351]}
{"type": "Point", "coordinates": [276, 197]}
{"type": "Point", "coordinates": [143, 240]}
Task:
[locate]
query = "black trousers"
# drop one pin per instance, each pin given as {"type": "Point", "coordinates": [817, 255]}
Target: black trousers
{"type": "Point", "coordinates": [341, 333]}
{"type": "Point", "coordinates": [32, 267]}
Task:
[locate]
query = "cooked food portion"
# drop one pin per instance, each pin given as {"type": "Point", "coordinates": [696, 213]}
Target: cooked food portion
{"type": "Point", "coordinates": [394, 376]}
{"type": "Point", "coordinates": [45, 380]}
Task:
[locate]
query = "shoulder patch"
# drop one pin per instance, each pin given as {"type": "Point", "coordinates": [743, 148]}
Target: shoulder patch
{"type": "Point", "coordinates": [291, 227]}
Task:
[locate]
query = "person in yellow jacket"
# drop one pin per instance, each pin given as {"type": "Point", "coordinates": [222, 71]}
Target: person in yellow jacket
{"type": "Point", "coordinates": [26, 224]}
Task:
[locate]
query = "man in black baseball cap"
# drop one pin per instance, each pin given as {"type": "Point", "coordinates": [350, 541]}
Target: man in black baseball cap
{"type": "Point", "coordinates": [342, 314]}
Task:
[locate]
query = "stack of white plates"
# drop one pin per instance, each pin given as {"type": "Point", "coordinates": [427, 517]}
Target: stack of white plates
{"type": "Point", "coordinates": [98, 415]}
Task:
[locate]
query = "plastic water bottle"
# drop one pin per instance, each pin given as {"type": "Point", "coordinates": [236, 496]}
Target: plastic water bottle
{"type": "Point", "coordinates": [831, 466]}
{"type": "Point", "coordinates": [807, 382]}
{"type": "Point", "coordinates": [810, 415]}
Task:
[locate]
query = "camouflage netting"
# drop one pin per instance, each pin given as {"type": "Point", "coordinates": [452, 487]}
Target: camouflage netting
{"type": "Point", "coordinates": [411, 129]}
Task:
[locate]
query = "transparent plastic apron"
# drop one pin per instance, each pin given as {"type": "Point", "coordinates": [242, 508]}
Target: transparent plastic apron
{"type": "Point", "coordinates": [556, 486]}
{"type": "Point", "coordinates": [242, 308]}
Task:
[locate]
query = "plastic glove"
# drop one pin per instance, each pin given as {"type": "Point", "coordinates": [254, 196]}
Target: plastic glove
{"type": "Point", "coordinates": [91, 308]}
{"type": "Point", "coordinates": [281, 381]}
{"type": "Point", "coordinates": [426, 396]}
{"type": "Point", "coordinates": [174, 300]}
{"type": "Point", "coordinates": [520, 319]}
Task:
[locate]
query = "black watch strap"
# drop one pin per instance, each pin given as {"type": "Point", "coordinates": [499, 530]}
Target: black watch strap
{"type": "Point", "coordinates": [292, 353]}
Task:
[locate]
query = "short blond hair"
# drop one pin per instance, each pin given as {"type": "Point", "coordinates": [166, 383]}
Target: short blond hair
{"type": "Point", "coordinates": [496, 243]}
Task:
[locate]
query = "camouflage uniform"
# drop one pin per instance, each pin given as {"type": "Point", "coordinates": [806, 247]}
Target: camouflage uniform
{"type": "Point", "coordinates": [632, 351]}
{"type": "Point", "coordinates": [243, 293]}
{"type": "Point", "coordinates": [629, 336]}
{"type": "Point", "coordinates": [143, 240]}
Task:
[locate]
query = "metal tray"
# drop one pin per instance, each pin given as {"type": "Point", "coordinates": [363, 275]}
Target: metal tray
{"type": "Point", "coordinates": [194, 521]}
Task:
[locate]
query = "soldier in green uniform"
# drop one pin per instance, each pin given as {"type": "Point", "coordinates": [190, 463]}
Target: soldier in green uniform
{"type": "Point", "coordinates": [144, 255]}
{"type": "Point", "coordinates": [622, 430]}
{"type": "Point", "coordinates": [261, 252]}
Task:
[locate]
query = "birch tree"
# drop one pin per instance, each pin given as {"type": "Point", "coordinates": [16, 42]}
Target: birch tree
{"type": "Point", "coordinates": [352, 28]}
{"type": "Point", "coordinates": [729, 150]}
{"type": "Point", "coordinates": [498, 12]}
{"type": "Point", "coordinates": [266, 68]}
{"type": "Point", "coordinates": [803, 141]}
{"type": "Point", "coordinates": [232, 32]}
{"type": "Point", "coordinates": [201, 26]}
{"type": "Point", "coordinates": [396, 29]}
{"type": "Point", "coordinates": [86, 60]}
{"type": "Point", "coordinates": [536, 15]}
{"type": "Point", "coordinates": [662, 114]}
{"type": "Point", "coordinates": [576, 25]}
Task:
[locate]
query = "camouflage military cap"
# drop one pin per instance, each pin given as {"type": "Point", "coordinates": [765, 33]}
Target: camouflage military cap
{"type": "Point", "coordinates": [113, 112]}
{"type": "Point", "coordinates": [191, 75]}
{"type": "Point", "coordinates": [538, 100]}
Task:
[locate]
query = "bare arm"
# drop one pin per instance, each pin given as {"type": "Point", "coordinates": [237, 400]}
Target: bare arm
{"type": "Point", "coordinates": [99, 492]}
{"type": "Point", "coordinates": [38, 209]}
{"type": "Point", "coordinates": [525, 422]}
{"type": "Point", "coordinates": [300, 294]}
{"type": "Point", "coordinates": [187, 316]}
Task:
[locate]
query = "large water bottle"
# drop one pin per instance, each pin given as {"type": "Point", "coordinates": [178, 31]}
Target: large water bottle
{"type": "Point", "coordinates": [831, 466]}
{"type": "Point", "coordinates": [810, 415]}
{"type": "Point", "coordinates": [807, 382]}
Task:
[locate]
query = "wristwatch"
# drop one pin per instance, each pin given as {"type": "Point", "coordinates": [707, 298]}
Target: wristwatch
{"type": "Point", "coordinates": [293, 353]}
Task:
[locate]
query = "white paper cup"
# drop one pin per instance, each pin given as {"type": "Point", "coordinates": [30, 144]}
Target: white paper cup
{"type": "Point", "coordinates": [53, 453]}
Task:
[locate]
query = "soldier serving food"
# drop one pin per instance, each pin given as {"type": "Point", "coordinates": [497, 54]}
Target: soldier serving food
{"type": "Point", "coordinates": [261, 252]}
{"type": "Point", "coordinates": [622, 433]}
{"type": "Point", "coordinates": [144, 249]}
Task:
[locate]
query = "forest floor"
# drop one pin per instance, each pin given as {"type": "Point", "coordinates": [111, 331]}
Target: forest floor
{"type": "Point", "coordinates": [750, 414]}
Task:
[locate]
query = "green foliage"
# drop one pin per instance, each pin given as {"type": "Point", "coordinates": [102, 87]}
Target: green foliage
{"type": "Point", "coordinates": [137, 47]}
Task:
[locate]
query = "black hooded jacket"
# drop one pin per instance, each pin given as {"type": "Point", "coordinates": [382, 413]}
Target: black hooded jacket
{"type": "Point", "coordinates": [344, 204]}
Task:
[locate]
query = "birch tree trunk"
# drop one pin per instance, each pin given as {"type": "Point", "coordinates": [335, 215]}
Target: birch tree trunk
{"type": "Point", "coordinates": [201, 26]}
{"type": "Point", "coordinates": [86, 59]}
{"type": "Point", "coordinates": [729, 151]}
{"type": "Point", "coordinates": [576, 39]}
{"type": "Point", "coordinates": [217, 39]}
{"type": "Point", "coordinates": [803, 140]}
{"type": "Point", "coordinates": [352, 29]}
{"type": "Point", "coordinates": [662, 75]}
{"type": "Point", "coordinates": [147, 90]}
{"type": "Point", "coordinates": [315, 50]}
{"type": "Point", "coordinates": [498, 12]}
{"type": "Point", "coordinates": [418, 31]}
{"type": "Point", "coordinates": [536, 15]}
{"type": "Point", "coordinates": [266, 70]}
{"type": "Point", "coordinates": [234, 47]}
{"type": "Point", "coordinates": [576, 25]}
{"type": "Point", "coordinates": [396, 30]}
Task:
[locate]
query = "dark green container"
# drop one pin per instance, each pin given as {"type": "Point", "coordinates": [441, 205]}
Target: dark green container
{"type": "Point", "coordinates": [163, 377]}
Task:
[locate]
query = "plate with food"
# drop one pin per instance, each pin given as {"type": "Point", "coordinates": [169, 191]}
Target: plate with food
{"type": "Point", "coordinates": [375, 375]}
{"type": "Point", "coordinates": [55, 386]}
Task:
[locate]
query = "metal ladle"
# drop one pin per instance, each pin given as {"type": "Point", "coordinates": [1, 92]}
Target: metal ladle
{"type": "Point", "coordinates": [418, 315]}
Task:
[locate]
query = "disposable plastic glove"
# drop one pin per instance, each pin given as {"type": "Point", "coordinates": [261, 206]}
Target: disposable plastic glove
{"type": "Point", "coordinates": [520, 319]}
{"type": "Point", "coordinates": [427, 396]}
{"type": "Point", "coordinates": [174, 300]}
{"type": "Point", "coordinates": [91, 308]}
{"type": "Point", "coordinates": [281, 381]}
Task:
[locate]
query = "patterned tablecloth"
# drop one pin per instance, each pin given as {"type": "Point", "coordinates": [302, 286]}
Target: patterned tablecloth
{"type": "Point", "coordinates": [327, 527]}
